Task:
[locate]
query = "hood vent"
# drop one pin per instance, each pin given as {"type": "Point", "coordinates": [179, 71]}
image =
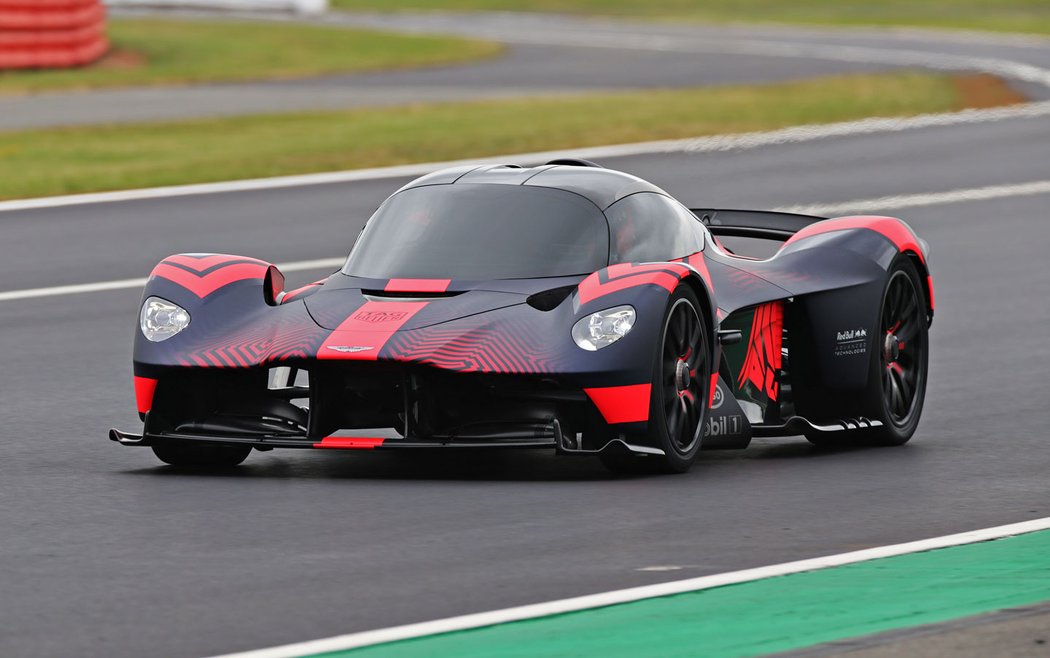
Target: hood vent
{"type": "Point", "coordinates": [383, 295]}
{"type": "Point", "coordinates": [548, 300]}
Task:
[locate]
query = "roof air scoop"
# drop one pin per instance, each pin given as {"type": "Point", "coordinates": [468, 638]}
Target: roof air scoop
{"type": "Point", "coordinates": [575, 162]}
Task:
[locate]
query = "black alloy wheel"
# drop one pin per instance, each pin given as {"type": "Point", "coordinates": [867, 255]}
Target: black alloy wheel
{"type": "Point", "coordinates": [678, 401]}
{"type": "Point", "coordinates": [899, 364]}
{"type": "Point", "coordinates": [903, 351]}
{"type": "Point", "coordinates": [684, 357]}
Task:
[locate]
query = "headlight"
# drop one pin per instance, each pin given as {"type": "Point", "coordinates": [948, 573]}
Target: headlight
{"type": "Point", "coordinates": [160, 319]}
{"type": "Point", "coordinates": [603, 328]}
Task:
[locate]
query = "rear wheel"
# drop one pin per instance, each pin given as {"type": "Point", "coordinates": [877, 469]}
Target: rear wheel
{"type": "Point", "coordinates": [679, 394]}
{"type": "Point", "coordinates": [189, 455]}
{"type": "Point", "coordinates": [899, 363]}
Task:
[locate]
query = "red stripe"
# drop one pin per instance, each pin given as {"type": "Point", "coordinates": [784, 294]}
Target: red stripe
{"type": "Point", "coordinates": [624, 269]}
{"type": "Point", "coordinates": [700, 265]}
{"type": "Point", "coordinates": [714, 385]}
{"type": "Point", "coordinates": [233, 354]}
{"type": "Point", "coordinates": [350, 442]}
{"type": "Point", "coordinates": [202, 286]}
{"type": "Point", "coordinates": [622, 404]}
{"type": "Point", "coordinates": [144, 390]}
{"type": "Point", "coordinates": [628, 275]}
{"type": "Point", "coordinates": [891, 228]}
{"type": "Point", "coordinates": [418, 285]}
{"type": "Point", "coordinates": [370, 326]}
{"type": "Point", "coordinates": [590, 289]}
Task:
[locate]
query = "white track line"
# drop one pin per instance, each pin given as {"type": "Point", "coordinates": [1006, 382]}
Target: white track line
{"type": "Point", "coordinates": [367, 638]}
{"type": "Point", "coordinates": [918, 200]}
{"type": "Point", "coordinates": [798, 134]}
{"type": "Point", "coordinates": [864, 205]}
{"type": "Point", "coordinates": [124, 284]}
{"type": "Point", "coordinates": [782, 44]}
{"type": "Point", "coordinates": [773, 48]}
{"type": "Point", "coordinates": [696, 145]}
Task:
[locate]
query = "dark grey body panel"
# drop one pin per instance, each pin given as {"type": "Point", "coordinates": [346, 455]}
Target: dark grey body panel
{"type": "Point", "coordinates": [603, 187]}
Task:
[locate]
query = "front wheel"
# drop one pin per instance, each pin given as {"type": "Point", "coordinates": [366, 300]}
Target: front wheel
{"type": "Point", "coordinates": [188, 455]}
{"type": "Point", "coordinates": [679, 394]}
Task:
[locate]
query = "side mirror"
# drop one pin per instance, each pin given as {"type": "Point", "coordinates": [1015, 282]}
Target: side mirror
{"type": "Point", "coordinates": [273, 286]}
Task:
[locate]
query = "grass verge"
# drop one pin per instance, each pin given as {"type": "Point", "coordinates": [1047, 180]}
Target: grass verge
{"type": "Point", "coordinates": [73, 160]}
{"type": "Point", "coordinates": [998, 15]}
{"type": "Point", "coordinates": [156, 52]}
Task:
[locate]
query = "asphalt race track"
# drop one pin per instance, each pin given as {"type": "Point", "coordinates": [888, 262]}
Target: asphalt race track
{"type": "Point", "coordinates": [549, 55]}
{"type": "Point", "coordinates": [103, 552]}
{"type": "Point", "coordinates": [524, 71]}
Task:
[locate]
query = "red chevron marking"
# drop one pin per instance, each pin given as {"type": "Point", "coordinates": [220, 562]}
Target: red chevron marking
{"type": "Point", "coordinates": [627, 275]}
{"type": "Point", "coordinates": [204, 285]}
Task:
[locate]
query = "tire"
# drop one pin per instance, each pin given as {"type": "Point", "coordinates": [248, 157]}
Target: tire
{"type": "Point", "coordinates": [679, 396]}
{"type": "Point", "coordinates": [188, 455]}
{"type": "Point", "coordinates": [899, 364]}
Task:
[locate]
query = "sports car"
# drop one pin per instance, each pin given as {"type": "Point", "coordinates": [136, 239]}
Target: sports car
{"type": "Point", "coordinates": [566, 307]}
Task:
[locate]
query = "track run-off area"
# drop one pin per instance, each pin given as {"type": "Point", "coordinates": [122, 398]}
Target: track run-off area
{"type": "Point", "coordinates": [106, 553]}
{"type": "Point", "coordinates": [742, 613]}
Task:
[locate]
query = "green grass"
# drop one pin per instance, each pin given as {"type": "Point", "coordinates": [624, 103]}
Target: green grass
{"type": "Point", "coordinates": [155, 52]}
{"type": "Point", "coordinates": [771, 615]}
{"type": "Point", "coordinates": [998, 15]}
{"type": "Point", "coordinates": [71, 160]}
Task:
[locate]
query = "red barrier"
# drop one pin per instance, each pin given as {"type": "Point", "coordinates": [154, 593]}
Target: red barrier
{"type": "Point", "coordinates": [51, 33]}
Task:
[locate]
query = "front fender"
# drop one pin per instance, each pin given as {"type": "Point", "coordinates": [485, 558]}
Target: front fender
{"type": "Point", "coordinates": [225, 296]}
{"type": "Point", "coordinates": [649, 281]}
{"type": "Point", "coordinates": [647, 287]}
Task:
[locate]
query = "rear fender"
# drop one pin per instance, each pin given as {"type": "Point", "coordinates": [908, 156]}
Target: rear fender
{"type": "Point", "coordinates": [897, 231]}
{"type": "Point", "coordinates": [833, 332]}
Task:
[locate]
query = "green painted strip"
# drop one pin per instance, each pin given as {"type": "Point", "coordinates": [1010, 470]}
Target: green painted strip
{"type": "Point", "coordinates": [776, 614]}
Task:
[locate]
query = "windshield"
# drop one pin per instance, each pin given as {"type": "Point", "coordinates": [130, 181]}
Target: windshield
{"type": "Point", "coordinates": [481, 231]}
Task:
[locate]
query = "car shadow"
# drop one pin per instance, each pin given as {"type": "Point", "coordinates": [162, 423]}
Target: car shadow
{"type": "Point", "coordinates": [451, 465]}
{"type": "Point", "coordinates": [508, 465]}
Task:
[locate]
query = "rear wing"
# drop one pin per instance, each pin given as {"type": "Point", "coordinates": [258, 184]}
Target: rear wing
{"type": "Point", "coordinates": [762, 224]}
